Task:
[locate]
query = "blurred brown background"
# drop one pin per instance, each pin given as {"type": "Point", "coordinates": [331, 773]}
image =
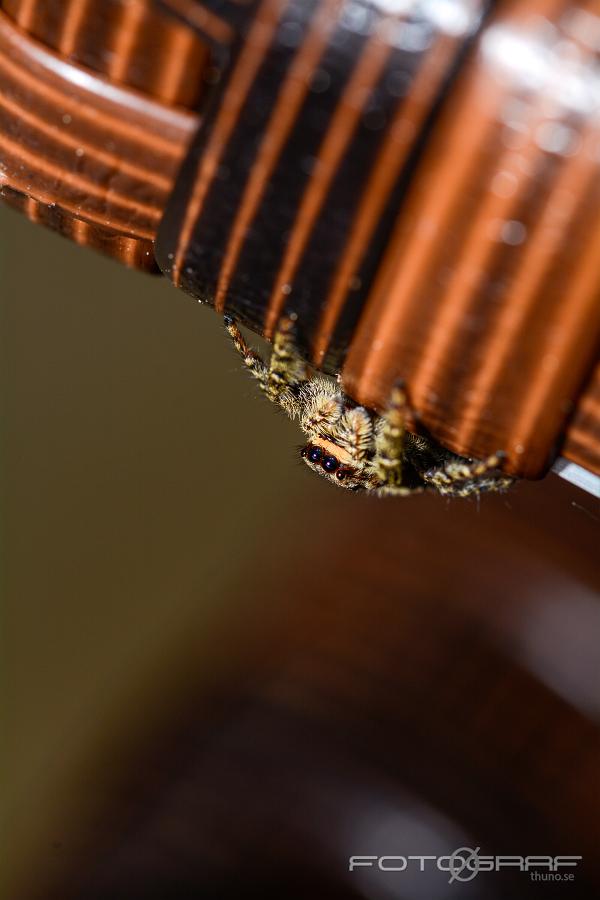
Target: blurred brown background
{"type": "Point", "coordinates": [224, 677]}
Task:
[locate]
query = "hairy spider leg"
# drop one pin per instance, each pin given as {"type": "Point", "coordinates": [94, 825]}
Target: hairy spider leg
{"type": "Point", "coordinates": [355, 433]}
{"type": "Point", "coordinates": [389, 451]}
{"type": "Point", "coordinates": [251, 359]}
{"type": "Point", "coordinates": [463, 477]}
{"type": "Point", "coordinates": [287, 369]}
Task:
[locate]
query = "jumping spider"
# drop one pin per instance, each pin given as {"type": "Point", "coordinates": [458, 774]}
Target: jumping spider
{"type": "Point", "coordinates": [352, 446]}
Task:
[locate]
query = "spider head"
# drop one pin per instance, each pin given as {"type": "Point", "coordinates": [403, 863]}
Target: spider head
{"type": "Point", "coordinates": [333, 462]}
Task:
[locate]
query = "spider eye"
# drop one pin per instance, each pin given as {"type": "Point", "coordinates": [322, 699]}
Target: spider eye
{"type": "Point", "coordinates": [314, 454]}
{"type": "Point", "coordinates": [342, 473]}
{"type": "Point", "coordinates": [330, 463]}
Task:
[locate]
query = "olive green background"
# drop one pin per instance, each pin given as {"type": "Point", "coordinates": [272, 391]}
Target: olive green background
{"type": "Point", "coordinates": [150, 497]}
{"type": "Point", "coordinates": [143, 470]}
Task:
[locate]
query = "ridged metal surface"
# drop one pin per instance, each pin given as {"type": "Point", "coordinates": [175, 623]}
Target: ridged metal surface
{"type": "Point", "coordinates": [487, 298]}
{"type": "Point", "coordinates": [130, 42]}
{"type": "Point", "coordinates": [424, 192]}
{"type": "Point", "coordinates": [92, 159]}
{"type": "Point", "coordinates": [582, 440]}
{"type": "Point", "coordinates": [421, 188]}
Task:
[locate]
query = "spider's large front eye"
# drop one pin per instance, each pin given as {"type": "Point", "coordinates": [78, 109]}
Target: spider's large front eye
{"type": "Point", "coordinates": [330, 463]}
{"type": "Point", "coordinates": [314, 454]}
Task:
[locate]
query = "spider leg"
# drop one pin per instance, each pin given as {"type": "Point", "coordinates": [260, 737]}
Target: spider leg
{"type": "Point", "coordinates": [389, 450]}
{"type": "Point", "coordinates": [355, 433]}
{"type": "Point", "coordinates": [394, 490]}
{"type": "Point", "coordinates": [287, 370]}
{"type": "Point", "coordinates": [463, 477]}
{"type": "Point", "coordinates": [322, 408]}
{"type": "Point", "coordinates": [251, 359]}
{"type": "Point", "coordinates": [496, 484]}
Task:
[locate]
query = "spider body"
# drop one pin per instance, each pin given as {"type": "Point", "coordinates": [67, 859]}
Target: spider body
{"type": "Point", "coordinates": [355, 447]}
